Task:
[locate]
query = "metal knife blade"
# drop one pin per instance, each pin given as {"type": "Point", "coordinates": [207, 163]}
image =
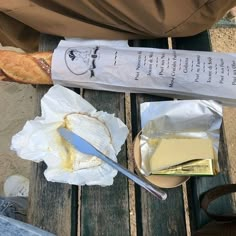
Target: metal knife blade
{"type": "Point", "coordinates": [78, 142]}
{"type": "Point", "coordinates": [83, 146]}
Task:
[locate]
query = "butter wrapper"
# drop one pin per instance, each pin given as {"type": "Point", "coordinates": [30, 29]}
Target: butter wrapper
{"type": "Point", "coordinates": [186, 119]}
{"type": "Point", "coordinates": [197, 167]}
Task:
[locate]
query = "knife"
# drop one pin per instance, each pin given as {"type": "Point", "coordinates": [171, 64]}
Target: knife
{"type": "Point", "coordinates": [83, 146]}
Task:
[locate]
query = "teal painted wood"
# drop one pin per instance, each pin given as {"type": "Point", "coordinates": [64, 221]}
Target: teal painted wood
{"type": "Point", "coordinates": [199, 42]}
{"type": "Point", "coordinates": [155, 217]}
{"type": "Point", "coordinates": [198, 185]}
{"type": "Point", "coordinates": [225, 23]}
{"type": "Point", "coordinates": [105, 210]}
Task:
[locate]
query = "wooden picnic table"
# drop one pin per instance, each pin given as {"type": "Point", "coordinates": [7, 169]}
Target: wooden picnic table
{"type": "Point", "coordinates": [124, 208]}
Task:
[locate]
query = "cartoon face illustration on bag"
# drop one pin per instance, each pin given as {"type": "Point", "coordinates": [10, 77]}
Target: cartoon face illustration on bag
{"type": "Point", "coordinates": [81, 61]}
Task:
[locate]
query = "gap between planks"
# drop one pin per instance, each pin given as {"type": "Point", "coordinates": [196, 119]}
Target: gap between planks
{"type": "Point", "coordinates": [81, 93]}
{"type": "Point", "coordinates": [79, 212]}
{"type": "Point", "coordinates": [131, 185]}
{"type": "Point", "coordinates": [186, 209]}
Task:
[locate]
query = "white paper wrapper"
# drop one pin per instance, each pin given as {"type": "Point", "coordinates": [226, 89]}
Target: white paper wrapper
{"type": "Point", "coordinates": [106, 65]}
{"type": "Point", "coordinates": [40, 141]}
{"type": "Point", "coordinates": [192, 118]}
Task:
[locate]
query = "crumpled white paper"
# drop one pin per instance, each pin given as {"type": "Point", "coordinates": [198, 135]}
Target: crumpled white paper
{"type": "Point", "coordinates": [39, 139]}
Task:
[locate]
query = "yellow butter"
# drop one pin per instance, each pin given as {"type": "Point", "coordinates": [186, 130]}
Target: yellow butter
{"type": "Point", "coordinates": [171, 152]}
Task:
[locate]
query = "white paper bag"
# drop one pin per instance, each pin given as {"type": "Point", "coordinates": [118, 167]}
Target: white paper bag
{"type": "Point", "coordinates": [176, 73]}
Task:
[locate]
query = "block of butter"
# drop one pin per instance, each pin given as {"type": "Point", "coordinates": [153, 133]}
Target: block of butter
{"type": "Point", "coordinates": [187, 156]}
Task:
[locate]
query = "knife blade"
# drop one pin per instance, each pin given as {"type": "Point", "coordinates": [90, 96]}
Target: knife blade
{"type": "Point", "coordinates": [83, 146]}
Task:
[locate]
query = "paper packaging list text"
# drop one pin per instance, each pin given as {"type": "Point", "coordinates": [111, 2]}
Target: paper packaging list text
{"type": "Point", "coordinates": [193, 66]}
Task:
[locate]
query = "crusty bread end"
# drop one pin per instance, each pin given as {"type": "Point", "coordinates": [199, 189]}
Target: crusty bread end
{"type": "Point", "coordinates": [34, 68]}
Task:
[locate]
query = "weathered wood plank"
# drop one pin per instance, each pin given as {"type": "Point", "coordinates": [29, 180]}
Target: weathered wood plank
{"type": "Point", "coordinates": [198, 185]}
{"type": "Point", "coordinates": [129, 141]}
{"type": "Point", "coordinates": [105, 210]}
{"type": "Point", "coordinates": [155, 217]}
{"type": "Point", "coordinates": [50, 204]}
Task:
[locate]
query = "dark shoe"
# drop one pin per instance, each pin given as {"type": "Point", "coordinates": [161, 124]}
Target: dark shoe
{"type": "Point", "coordinates": [14, 207]}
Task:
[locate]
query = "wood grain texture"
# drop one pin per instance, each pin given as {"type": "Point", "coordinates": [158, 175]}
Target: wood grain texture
{"type": "Point", "coordinates": [105, 210]}
{"type": "Point", "coordinates": [129, 141]}
{"type": "Point", "coordinates": [198, 185]}
{"type": "Point", "coordinates": [50, 204]}
{"type": "Point", "coordinates": [155, 217]}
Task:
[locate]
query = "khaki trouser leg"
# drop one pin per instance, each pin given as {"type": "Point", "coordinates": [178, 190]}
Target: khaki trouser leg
{"type": "Point", "coordinates": [15, 33]}
{"type": "Point", "coordinates": [106, 19]}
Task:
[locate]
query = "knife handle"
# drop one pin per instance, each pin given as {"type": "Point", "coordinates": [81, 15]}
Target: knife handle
{"type": "Point", "coordinates": [157, 192]}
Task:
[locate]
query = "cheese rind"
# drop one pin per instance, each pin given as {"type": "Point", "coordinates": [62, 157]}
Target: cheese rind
{"type": "Point", "coordinates": [171, 152]}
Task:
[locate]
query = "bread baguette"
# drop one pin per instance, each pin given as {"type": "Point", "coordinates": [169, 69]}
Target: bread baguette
{"type": "Point", "coordinates": [34, 68]}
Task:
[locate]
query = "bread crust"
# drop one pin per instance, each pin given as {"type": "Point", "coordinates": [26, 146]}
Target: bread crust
{"type": "Point", "coordinates": [34, 68]}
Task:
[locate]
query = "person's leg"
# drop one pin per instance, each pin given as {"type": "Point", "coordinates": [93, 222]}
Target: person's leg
{"type": "Point", "coordinates": [232, 14]}
{"type": "Point", "coordinates": [114, 19]}
{"type": "Point", "coordinates": [14, 33]}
